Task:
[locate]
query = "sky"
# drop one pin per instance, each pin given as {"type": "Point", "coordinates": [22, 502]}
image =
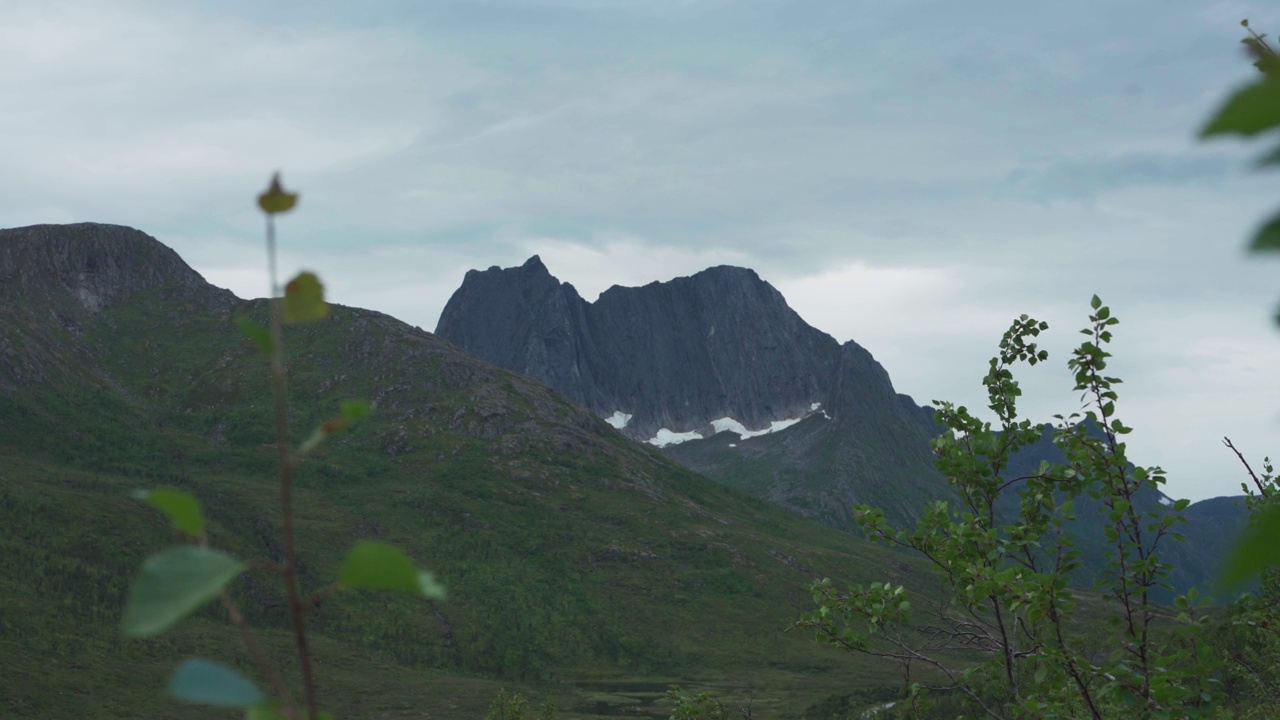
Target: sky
{"type": "Point", "coordinates": [911, 175]}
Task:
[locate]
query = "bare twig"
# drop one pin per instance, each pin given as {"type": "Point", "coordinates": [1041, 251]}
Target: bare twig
{"type": "Point", "coordinates": [1254, 476]}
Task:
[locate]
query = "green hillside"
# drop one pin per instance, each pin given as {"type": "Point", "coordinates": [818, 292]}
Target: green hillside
{"type": "Point", "coordinates": [580, 565]}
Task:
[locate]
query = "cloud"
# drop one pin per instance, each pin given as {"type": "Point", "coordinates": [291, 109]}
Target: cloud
{"type": "Point", "coordinates": [621, 259]}
{"type": "Point", "coordinates": [152, 111]}
{"type": "Point", "coordinates": [1090, 177]}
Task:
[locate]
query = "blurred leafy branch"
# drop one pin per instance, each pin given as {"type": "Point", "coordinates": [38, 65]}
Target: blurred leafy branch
{"type": "Point", "coordinates": [176, 582]}
{"type": "Point", "coordinates": [1251, 110]}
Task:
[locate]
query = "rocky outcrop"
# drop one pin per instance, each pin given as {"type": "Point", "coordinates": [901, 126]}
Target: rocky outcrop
{"type": "Point", "coordinates": [522, 318]}
{"type": "Point", "coordinates": [95, 264]}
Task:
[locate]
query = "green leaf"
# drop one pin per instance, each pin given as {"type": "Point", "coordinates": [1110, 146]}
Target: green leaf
{"type": "Point", "coordinates": [304, 299]}
{"type": "Point", "coordinates": [1249, 111]}
{"type": "Point", "coordinates": [260, 335]}
{"type": "Point", "coordinates": [211, 683]}
{"type": "Point", "coordinates": [182, 509]}
{"type": "Point", "coordinates": [174, 583]}
{"type": "Point", "coordinates": [1268, 236]}
{"type": "Point", "coordinates": [379, 566]}
{"type": "Point", "coordinates": [1095, 302]}
{"type": "Point", "coordinates": [1257, 549]}
{"type": "Point", "coordinates": [275, 200]}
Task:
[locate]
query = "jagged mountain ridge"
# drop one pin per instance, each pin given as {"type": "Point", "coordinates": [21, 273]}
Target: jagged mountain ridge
{"type": "Point", "coordinates": [722, 343]}
{"type": "Point", "coordinates": [678, 356]}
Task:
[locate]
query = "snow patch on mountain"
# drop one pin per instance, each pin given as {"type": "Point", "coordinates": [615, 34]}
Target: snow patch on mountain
{"type": "Point", "coordinates": [619, 419]}
{"type": "Point", "coordinates": [666, 437]}
{"type": "Point", "coordinates": [730, 425]}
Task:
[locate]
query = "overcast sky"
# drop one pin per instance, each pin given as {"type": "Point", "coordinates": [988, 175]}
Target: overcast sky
{"type": "Point", "coordinates": [911, 174]}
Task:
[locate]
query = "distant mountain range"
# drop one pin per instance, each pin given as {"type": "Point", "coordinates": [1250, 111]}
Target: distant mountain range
{"type": "Point", "coordinates": [718, 371]}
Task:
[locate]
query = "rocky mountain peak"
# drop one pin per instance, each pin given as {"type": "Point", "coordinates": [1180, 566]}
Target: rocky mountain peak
{"type": "Point", "coordinates": [674, 356]}
{"type": "Point", "coordinates": [94, 264]}
{"type": "Point", "coordinates": [534, 264]}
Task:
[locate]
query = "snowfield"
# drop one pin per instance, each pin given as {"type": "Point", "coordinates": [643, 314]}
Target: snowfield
{"type": "Point", "coordinates": [665, 437]}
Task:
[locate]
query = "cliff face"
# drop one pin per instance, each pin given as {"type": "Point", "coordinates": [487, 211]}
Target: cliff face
{"type": "Point", "coordinates": [722, 343]}
{"type": "Point", "coordinates": [522, 318]}
{"type": "Point", "coordinates": [676, 355]}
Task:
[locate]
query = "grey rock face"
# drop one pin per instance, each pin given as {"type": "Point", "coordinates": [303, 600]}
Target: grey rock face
{"type": "Point", "coordinates": [95, 263]}
{"type": "Point", "coordinates": [722, 343]}
{"type": "Point", "coordinates": [675, 355]}
{"type": "Point", "coordinates": [522, 318]}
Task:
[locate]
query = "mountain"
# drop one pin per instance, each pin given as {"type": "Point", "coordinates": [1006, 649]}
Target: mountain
{"type": "Point", "coordinates": [575, 558]}
{"type": "Point", "coordinates": [711, 367]}
{"type": "Point", "coordinates": [729, 381]}
{"type": "Point", "coordinates": [671, 356]}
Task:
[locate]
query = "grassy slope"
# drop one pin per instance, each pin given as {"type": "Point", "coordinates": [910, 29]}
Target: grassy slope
{"type": "Point", "coordinates": [572, 555]}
